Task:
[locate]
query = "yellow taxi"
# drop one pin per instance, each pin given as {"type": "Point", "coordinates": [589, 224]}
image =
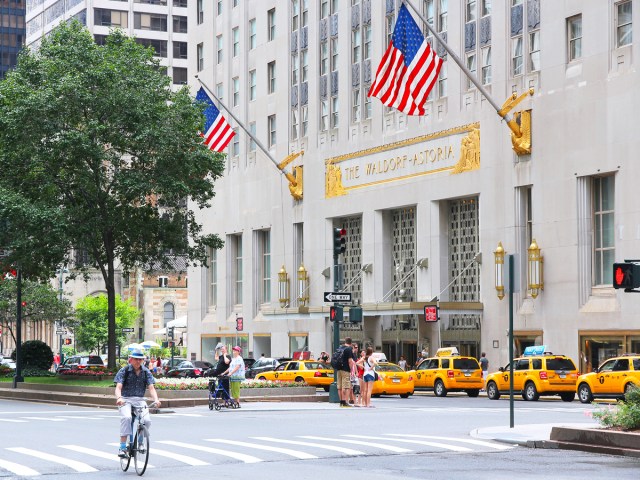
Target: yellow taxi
{"type": "Point", "coordinates": [536, 373]}
{"type": "Point", "coordinates": [449, 372]}
{"type": "Point", "coordinates": [392, 380]}
{"type": "Point", "coordinates": [613, 379]}
{"type": "Point", "coordinates": [313, 373]}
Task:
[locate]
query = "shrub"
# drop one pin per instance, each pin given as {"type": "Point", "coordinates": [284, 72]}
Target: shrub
{"type": "Point", "coordinates": [37, 354]}
{"type": "Point", "coordinates": [625, 415]}
{"type": "Point", "coordinates": [36, 372]}
{"type": "Point", "coordinates": [5, 371]}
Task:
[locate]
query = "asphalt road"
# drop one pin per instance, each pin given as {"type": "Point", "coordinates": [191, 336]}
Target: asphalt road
{"type": "Point", "coordinates": [422, 437]}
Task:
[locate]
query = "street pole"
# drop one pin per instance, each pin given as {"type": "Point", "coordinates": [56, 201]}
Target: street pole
{"type": "Point", "coordinates": [18, 378]}
{"type": "Point", "coordinates": [334, 397]}
{"type": "Point", "coordinates": [511, 283]}
{"type": "Point", "coordinates": [60, 287]}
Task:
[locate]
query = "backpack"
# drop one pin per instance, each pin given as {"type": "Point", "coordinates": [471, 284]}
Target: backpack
{"type": "Point", "coordinates": [336, 358]}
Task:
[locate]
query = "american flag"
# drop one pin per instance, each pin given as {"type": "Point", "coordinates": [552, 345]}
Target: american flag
{"type": "Point", "coordinates": [409, 68]}
{"type": "Point", "coordinates": [218, 133]}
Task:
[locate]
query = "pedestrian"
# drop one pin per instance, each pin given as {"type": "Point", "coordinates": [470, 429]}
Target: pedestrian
{"type": "Point", "coordinates": [355, 386]}
{"type": "Point", "coordinates": [236, 374]}
{"type": "Point", "coordinates": [132, 382]}
{"type": "Point", "coordinates": [369, 363]}
{"type": "Point", "coordinates": [146, 361]}
{"type": "Point", "coordinates": [56, 362]}
{"type": "Point", "coordinates": [223, 361]}
{"type": "Point", "coordinates": [159, 364]}
{"type": "Point", "coordinates": [360, 373]}
{"type": "Point", "coordinates": [402, 363]}
{"type": "Point", "coordinates": [344, 374]}
{"type": "Point", "coordinates": [484, 365]}
{"type": "Point", "coordinates": [324, 357]}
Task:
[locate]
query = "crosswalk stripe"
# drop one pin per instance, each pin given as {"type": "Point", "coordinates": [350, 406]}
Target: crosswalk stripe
{"type": "Point", "coordinates": [72, 417]}
{"type": "Point", "coordinates": [18, 469]}
{"type": "Point", "coordinates": [12, 420]}
{"type": "Point", "coordinates": [470, 441]}
{"type": "Point", "coordinates": [194, 462]}
{"type": "Point", "coordinates": [95, 453]}
{"type": "Point", "coordinates": [414, 442]}
{"type": "Point", "coordinates": [46, 419]}
{"type": "Point", "coordinates": [77, 466]}
{"type": "Point", "coordinates": [391, 448]}
{"type": "Point", "coordinates": [286, 451]}
{"type": "Point", "coordinates": [346, 451]}
{"type": "Point", "coordinates": [227, 453]}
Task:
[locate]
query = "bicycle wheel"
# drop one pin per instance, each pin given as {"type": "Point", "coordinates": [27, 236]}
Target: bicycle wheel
{"type": "Point", "coordinates": [141, 449]}
{"type": "Point", "coordinates": [125, 461]}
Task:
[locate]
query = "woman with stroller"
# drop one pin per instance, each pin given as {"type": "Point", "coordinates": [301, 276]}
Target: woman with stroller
{"type": "Point", "coordinates": [236, 374]}
{"type": "Point", "coordinates": [224, 360]}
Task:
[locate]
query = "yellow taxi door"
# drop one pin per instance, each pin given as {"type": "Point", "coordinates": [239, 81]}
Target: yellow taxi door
{"type": "Point", "coordinates": [502, 379]}
{"type": "Point", "coordinates": [520, 373]}
{"type": "Point", "coordinates": [421, 375]}
{"type": "Point", "coordinates": [291, 371]}
{"type": "Point", "coordinates": [604, 377]}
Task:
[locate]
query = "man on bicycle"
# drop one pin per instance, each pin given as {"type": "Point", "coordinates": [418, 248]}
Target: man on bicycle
{"type": "Point", "coordinates": [131, 384]}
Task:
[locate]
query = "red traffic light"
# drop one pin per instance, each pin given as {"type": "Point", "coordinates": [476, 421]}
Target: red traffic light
{"type": "Point", "coordinates": [239, 324]}
{"type": "Point", "coordinates": [430, 313]}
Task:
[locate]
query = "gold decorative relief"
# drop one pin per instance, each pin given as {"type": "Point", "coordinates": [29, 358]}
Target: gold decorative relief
{"type": "Point", "coordinates": [296, 188]}
{"type": "Point", "coordinates": [522, 143]}
{"type": "Point", "coordinates": [469, 152]}
{"type": "Point", "coordinates": [333, 181]}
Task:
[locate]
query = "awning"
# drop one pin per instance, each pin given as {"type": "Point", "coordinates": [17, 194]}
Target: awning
{"type": "Point", "coordinates": [180, 322]}
{"type": "Point", "coordinates": [162, 331]}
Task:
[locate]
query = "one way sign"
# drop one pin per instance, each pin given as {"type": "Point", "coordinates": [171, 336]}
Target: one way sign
{"type": "Point", "coordinates": [337, 297]}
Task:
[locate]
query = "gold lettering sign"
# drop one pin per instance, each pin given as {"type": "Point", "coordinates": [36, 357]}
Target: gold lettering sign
{"type": "Point", "coordinates": [455, 151]}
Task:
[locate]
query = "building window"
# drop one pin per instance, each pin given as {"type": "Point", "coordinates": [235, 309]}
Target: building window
{"type": "Point", "coordinates": [237, 239]}
{"type": "Point", "coordinates": [236, 41]}
{"type": "Point", "coordinates": [219, 49]}
{"type": "Point", "coordinates": [624, 25]}
{"type": "Point", "coordinates": [213, 276]}
{"type": "Point", "coordinates": [304, 65]}
{"type": "Point", "coordinates": [295, 14]}
{"type": "Point", "coordinates": [271, 76]}
{"type": "Point", "coordinates": [179, 76]}
{"type": "Point", "coordinates": [200, 12]}
{"type": "Point", "coordinates": [442, 81]}
{"type": "Point", "coordinates": [324, 115]}
{"type": "Point", "coordinates": [266, 266]}
{"type": "Point", "coordinates": [271, 24]}
{"type": "Point", "coordinates": [150, 21]}
{"type": "Point", "coordinates": [108, 18]}
{"type": "Point", "coordinates": [334, 54]}
{"type": "Point", "coordinates": [574, 33]}
{"type": "Point", "coordinates": [436, 13]}
{"type": "Point", "coordinates": [252, 34]}
{"type": "Point", "coordinates": [470, 11]}
{"type": "Point", "coordinates": [294, 70]}
{"type": "Point", "coordinates": [525, 38]}
{"type": "Point", "coordinates": [252, 84]}
{"type": "Point", "coordinates": [335, 112]}
{"type": "Point", "coordinates": [236, 91]}
{"type": "Point", "coordinates": [220, 91]}
{"type": "Point", "coordinates": [169, 313]}
{"type": "Point", "coordinates": [271, 126]}
{"type": "Point", "coordinates": [252, 142]}
{"type": "Point", "coordinates": [356, 45]}
{"type": "Point", "coordinates": [304, 110]}
{"type": "Point", "coordinates": [159, 46]}
{"type": "Point", "coordinates": [179, 24]}
{"type": "Point", "coordinates": [486, 66]}
{"type": "Point", "coordinates": [486, 7]}
{"type": "Point", "coordinates": [516, 56]}
{"type": "Point", "coordinates": [235, 149]}
{"type": "Point", "coordinates": [324, 58]}
{"type": "Point", "coordinates": [180, 49]}
{"type": "Point", "coordinates": [294, 123]}
{"type": "Point", "coordinates": [356, 105]}
{"type": "Point", "coordinates": [200, 49]}
{"type": "Point", "coordinates": [176, 3]}
{"type": "Point", "coordinates": [163, 282]}
{"type": "Point", "coordinates": [603, 230]}
{"type": "Point", "coordinates": [472, 67]}
{"type": "Point", "coordinates": [534, 51]}
{"type": "Point", "coordinates": [219, 8]}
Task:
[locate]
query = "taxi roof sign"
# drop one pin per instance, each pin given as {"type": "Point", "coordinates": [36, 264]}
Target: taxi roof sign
{"type": "Point", "coordinates": [446, 352]}
{"type": "Point", "coordinates": [534, 350]}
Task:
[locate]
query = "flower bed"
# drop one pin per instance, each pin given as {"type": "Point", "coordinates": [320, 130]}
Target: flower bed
{"type": "Point", "coordinates": [203, 384]}
{"type": "Point", "coordinates": [86, 372]}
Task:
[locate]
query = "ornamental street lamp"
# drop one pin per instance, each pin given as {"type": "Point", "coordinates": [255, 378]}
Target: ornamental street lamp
{"type": "Point", "coordinates": [535, 280]}
{"type": "Point", "coordinates": [283, 287]}
{"type": "Point", "coordinates": [303, 286]}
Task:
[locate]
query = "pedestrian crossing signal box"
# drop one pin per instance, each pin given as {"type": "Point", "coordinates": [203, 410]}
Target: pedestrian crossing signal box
{"type": "Point", "coordinates": [336, 313]}
{"type": "Point", "coordinates": [626, 275]}
{"type": "Point", "coordinates": [430, 313]}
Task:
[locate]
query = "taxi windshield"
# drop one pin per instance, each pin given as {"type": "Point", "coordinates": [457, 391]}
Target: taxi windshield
{"type": "Point", "coordinates": [465, 364]}
{"type": "Point", "coordinates": [315, 365]}
{"type": "Point", "coordinates": [388, 368]}
{"type": "Point", "coordinates": [560, 364]}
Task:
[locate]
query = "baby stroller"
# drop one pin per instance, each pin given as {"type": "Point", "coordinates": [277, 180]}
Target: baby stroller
{"type": "Point", "coordinates": [219, 394]}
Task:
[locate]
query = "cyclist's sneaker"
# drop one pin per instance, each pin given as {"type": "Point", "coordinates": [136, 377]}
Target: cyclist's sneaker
{"type": "Point", "coordinates": [122, 452]}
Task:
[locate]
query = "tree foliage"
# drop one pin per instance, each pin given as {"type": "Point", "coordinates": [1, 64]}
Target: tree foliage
{"type": "Point", "coordinates": [37, 354]}
{"type": "Point", "coordinates": [41, 303]}
{"type": "Point", "coordinates": [97, 152]}
{"type": "Point", "coordinates": [90, 325]}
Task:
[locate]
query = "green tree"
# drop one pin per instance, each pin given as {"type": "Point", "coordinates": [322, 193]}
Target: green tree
{"type": "Point", "coordinates": [98, 153]}
{"type": "Point", "coordinates": [90, 325]}
{"type": "Point", "coordinates": [41, 303]}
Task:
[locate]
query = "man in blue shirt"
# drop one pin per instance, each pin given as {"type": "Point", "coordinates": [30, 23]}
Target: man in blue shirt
{"type": "Point", "coordinates": [131, 384]}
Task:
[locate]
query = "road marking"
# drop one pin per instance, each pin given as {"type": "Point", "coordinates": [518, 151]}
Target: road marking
{"type": "Point", "coordinates": [77, 417]}
{"type": "Point", "coordinates": [194, 462]}
{"type": "Point", "coordinates": [414, 442]}
{"type": "Point", "coordinates": [391, 448]}
{"type": "Point", "coordinates": [453, 439]}
{"type": "Point", "coordinates": [77, 466]}
{"type": "Point", "coordinates": [12, 420]}
{"type": "Point", "coordinates": [346, 451]}
{"type": "Point", "coordinates": [46, 419]}
{"type": "Point", "coordinates": [174, 415]}
{"type": "Point", "coordinates": [95, 453]}
{"type": "Point", "coordinates": [18, 469]}
{"type": "Point", "coordinates": [238, 456]}
{"type": "Point", "coordinates": [286, 451]}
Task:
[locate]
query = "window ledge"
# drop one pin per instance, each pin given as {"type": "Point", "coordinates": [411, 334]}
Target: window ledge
{"type": "Point", "coordinates": [601, 301]}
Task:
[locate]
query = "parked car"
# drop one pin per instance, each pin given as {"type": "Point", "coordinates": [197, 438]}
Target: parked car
{"type": "Point", "coordinates": [169, 364]}
{"type": "Point", "coordinates": [202, 365]}
{"type": "Point", "coordinates": [8, 363]}
{"type": "Point", "coordinates": [80, 362]}
{"type": "Point", "coordinates": [393, 380]}
{"type": "Point", "coordinates": [613, 379]}
{"type": "Point", "coordinates": [449, 372]}
{"type": "Point", "coordinates": [263, 364]}
{"type": "Point", "coordinates": [184, 369]}
{"type": "Point", "coordinates": [248, 362]}
{"type": "Point", "coordinates": [312, 372]}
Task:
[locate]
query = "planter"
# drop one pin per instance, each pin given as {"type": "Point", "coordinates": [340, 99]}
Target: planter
{"type": "Point", "coordinates": [97, 378]}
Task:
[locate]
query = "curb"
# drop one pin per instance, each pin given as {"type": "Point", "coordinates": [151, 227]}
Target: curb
{"type": "Point", "coordinates": [609, 442]}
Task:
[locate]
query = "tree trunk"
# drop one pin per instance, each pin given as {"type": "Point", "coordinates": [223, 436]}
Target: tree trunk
{"type": "Point", "coordinates": [111, 315]}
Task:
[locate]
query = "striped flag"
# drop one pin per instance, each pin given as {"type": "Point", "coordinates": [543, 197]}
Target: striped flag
{"type": "Point", "coordinates": [409, 68]}
{"type": "Point", "coordinates": [218, 133]}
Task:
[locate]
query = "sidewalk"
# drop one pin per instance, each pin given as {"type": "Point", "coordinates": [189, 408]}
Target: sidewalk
{"type": "Point", "coordinates": [525, 435]}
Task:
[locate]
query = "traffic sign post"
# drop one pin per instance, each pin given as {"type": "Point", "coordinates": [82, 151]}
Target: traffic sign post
{"type": "Point", "coordinates": [344, 297]}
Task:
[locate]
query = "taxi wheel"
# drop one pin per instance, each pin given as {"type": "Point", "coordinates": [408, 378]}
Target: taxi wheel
{"type": "Point", "coordinates": [567, 397]}
{"type": "Point", "coordinates": [261, 378]}
{"type": "Point", "coordinates": [299, 380]}
{"type": "Point", "coordinates": [584, 393]}
{"type": "Point", "coordinates": [492, 391]}
{"type": "Point", "coordinates": [628, 387]}
{"type": "Point", "coordinates": [439, 389]}
{"type": "Point", "coordinates": [474, 392]}
{"type": "Point", "coordinates": [404, 395]}
{"type": "Point", "coordinates": [530, 392]}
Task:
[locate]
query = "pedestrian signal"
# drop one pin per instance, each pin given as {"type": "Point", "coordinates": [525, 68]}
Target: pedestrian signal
{"type": "Point", "coordinates": [626, 275]}
{"type": "Point", "coordinates": [335, 313]}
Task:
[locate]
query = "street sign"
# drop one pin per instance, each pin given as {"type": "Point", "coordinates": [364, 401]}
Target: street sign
{"type": "Point", "coordinates": [128, 329]}
{"type": "Point", "coordinates": [61, 332]}
{"type": "Point", "coordinates": [337, 297]}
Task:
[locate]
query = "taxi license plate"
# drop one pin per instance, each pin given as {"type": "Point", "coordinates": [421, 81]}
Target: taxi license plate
{"type": "Point", "coordinates": [396, 380]}
{"type": "Point", "coordinates": [467, 374]}
{"type": "Point", "coordinates": [562, 376]}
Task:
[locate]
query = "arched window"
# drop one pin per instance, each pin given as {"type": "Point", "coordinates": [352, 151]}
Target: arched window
{"type": "Point", "coordinates": [169, 312]}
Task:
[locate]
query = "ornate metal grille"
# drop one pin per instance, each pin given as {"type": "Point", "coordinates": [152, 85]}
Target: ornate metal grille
{"type": "Point", "coordinates": [352, 257]}
{"type": "Point", "coordinates": [403, 250]}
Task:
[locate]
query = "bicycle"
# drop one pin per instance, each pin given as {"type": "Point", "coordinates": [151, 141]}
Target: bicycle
{"type": "Point", "coordinates": [138, 445]}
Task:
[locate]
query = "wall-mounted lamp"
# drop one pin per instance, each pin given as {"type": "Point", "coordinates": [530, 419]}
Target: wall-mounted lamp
{"type": "Point", "coordinates": [367, 268]}
{"type": "Point", "coordinates": [423, 263]}
{"type": "Point", "coordinates": [535, 279]}
{"type": "Point", "coordinates": [499, 270]}
{"type": "Point", "coordinates": [283, 287]}
{"type": "Point", "coordinates": [303, 286]}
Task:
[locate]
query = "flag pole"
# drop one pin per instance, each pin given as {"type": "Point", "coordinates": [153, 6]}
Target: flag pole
{"type": "Point", "coordinates": [289, 176]}
{"type": "Point", "coordinates": [470, 76]}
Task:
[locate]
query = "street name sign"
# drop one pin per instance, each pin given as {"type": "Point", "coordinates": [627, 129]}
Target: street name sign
{"type": "Point", "coordinates": [61, 332]}
{"type": "Point", "coordinates": [127, 329]}
{"type": "Point", "coordinates": [337, 297]}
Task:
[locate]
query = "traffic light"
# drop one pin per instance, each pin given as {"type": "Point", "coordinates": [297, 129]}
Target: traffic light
{"type": "Point", "coordinates": [355, 314]}
{"type": "Point", "coordinates": [239, 324]}
{"type": "Point", "coordinates": [335, 313]}
{"type": "Point", "coordinates": [430, 313]}
{"type": "Point", "coordinates": [67, 341]}
{"type": "Point", "coordinates": [170, 332]}
{"type": "Point", "coordinates": [339, 241]}
{"type": "Point", "coordinates": [626, 275]}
